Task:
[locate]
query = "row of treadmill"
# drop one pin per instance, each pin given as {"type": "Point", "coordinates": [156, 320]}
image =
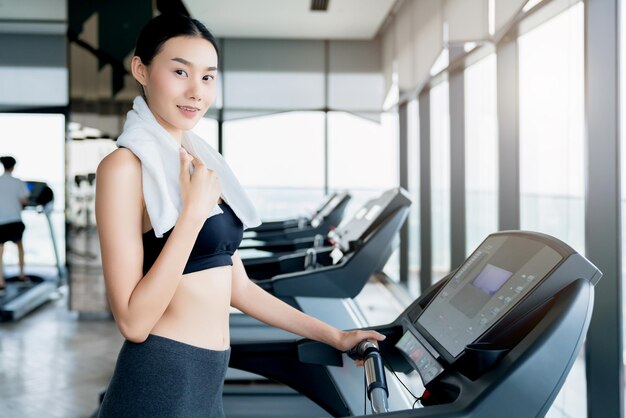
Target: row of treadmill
{"type": "Point", "coordinates": [495, 338]}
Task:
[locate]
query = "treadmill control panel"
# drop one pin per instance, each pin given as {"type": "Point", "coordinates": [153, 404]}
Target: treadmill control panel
{"type": "Point", "coordinates": [497, 276]}
{"type": "Point", "coordinates": [419, 357]}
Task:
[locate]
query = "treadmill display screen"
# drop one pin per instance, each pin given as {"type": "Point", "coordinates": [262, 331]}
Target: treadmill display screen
{"type": "Point", "coordinates": [494, 279]}
{"type": "Point", "coordinates": [491, 279]}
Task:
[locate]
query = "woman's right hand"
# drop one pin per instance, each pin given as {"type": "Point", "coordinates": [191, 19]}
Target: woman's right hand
{"type": "Point", "coordinates": [199, 191]}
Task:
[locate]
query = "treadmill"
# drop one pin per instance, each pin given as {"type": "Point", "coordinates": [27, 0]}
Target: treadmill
{"type": "Point", "coordinates": [321, 283]}
{"type": "Point", "coordinates": [328, 217]}
{"type": "Point", "coordinates": [495, 338]}
{"type": "Point", "coordinates": [300, 222]}
{"type": "Point", "coordinates": [21, 298]}
{"type": "Point", "coordinates": [341, 267]}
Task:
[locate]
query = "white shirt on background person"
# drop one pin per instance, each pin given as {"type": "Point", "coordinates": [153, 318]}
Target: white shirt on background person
{"type": "Point", "coordinates": [12, 190]}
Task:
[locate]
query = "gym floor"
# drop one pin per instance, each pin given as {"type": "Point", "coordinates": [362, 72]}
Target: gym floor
{"type": "Point", "coordinates": [54, 365]}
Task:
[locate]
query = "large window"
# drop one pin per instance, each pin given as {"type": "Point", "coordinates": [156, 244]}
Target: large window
{"type": "Point", "coordinates": [440, 178]}
{"type": "Point", "coordinates": [279, 159]}
{"type": "Point", "coordinates": [362, 155]}
{"type": "Point", "coordinates": [481, 152]}
{"type": "Point", "coordinates": [551, 128]}
{"type": "Point", "coordinates": [37, 142]}
{"type": "Point", "coordinates": [552, 151]}
{"type": "Point", "coordinates": [363, 159]}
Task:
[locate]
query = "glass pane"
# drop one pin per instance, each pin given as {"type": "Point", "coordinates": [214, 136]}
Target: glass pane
{"type": "Point", "coordinates": [552, 151]}
{"type": "Point", "coordinates": [37, 142]}
{"type": "Point", "coordinates": [414, 192]}
{"type": "Point", "coordinates": [362, 155]}
{"type": "Point", "coordinates": [551, 128]}
{"type": "Point", "coordinates": [363, 159]}
{"type": "Point", "coordinates": [440, 179]}
{"type": "Point", "coordinates": [278, 161]}
{"type": "Point", "coordinates": [481, 152]}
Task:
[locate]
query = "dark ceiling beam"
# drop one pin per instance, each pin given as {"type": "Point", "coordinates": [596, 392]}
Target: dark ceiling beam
{"type": "Point", "coordinates": [172, 6]}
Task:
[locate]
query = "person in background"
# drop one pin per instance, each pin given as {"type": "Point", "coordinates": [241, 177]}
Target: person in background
{"type": "Point", "coordinates": [14, 196]}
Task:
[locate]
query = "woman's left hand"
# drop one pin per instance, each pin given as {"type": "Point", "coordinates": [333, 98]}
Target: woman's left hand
{"type": "Point", "coordinates": [349, 339]}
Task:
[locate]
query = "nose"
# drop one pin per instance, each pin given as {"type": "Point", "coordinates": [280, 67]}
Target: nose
{"type": "Point", "coordinates": [193, 92]}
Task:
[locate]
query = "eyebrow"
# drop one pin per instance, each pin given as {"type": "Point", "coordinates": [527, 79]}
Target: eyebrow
{"type": "Point", "coordinates": [187, 63]}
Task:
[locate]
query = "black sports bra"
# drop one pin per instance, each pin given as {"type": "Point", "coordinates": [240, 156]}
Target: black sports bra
{"type": "Point", "coordinates": [217, 241]}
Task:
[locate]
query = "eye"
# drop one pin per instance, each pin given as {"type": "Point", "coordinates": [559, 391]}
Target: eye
{"type": "Point", "coordinates": [209, 77]}
{"type": "Point", "coordinates": [180, 71]}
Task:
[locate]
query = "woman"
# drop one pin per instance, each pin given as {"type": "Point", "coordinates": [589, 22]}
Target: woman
{"type": "Point", "coordinates": [172, 309]}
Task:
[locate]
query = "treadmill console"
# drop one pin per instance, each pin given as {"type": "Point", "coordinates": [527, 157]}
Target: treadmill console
{"type": "Point", "coordinates": [504, 270]}
{"type": "Point", "coordinates": [40, 194]}
{"type": "Point", "coordinates": [370, 216]}
{"type": "Point", "coordinates": [328, 207]}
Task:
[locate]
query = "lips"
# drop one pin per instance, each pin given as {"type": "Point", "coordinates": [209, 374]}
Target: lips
{"type": "Point", "coordinates": [188, 112]}
{"type": "Point", "coordinates": [188, 108]}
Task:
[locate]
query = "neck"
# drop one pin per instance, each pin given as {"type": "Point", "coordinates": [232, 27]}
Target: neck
{"type": "Point", "coordinates": [178, 138]}
{"type": "Point", "coordinates": [176, 134]}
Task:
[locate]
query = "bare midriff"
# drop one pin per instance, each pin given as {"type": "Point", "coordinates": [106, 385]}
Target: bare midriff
{"type": "Point", "coordinates": [198, 313]}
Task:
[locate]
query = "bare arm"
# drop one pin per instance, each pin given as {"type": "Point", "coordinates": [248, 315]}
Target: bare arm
{"type": "Point", "coordinates": [249, 298]}
{"type": "Point", "coordinates": [137, 301]}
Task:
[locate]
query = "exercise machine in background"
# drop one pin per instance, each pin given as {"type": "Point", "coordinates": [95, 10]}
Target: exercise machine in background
{"type": "Point", "coordinates": [21, 298]}
{"type": "Point", "coordinates": [328, 216]}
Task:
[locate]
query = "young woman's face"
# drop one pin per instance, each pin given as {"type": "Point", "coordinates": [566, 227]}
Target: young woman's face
{"type": "Point", "coordinates": [181, 83]}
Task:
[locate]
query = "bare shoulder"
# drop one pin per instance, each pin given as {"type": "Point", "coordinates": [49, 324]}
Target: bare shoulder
{"type": "Point", "coordinates": [118, 187]}
{"type": "Point", "coordinates": [121, 171]}
{"type": "Point", "coordinates": [121, 161]}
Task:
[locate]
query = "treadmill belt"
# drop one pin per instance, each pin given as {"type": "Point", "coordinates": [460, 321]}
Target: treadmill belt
{"type": "Point", "coordinates": [15, 288]}
{"type": "Point", "coordinates": [270, 406]}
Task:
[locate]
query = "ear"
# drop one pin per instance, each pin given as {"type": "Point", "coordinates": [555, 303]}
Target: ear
{"type": "Point", "coordinates": [139, 70]}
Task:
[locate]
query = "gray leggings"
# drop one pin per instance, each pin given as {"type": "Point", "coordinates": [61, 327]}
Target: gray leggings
{"type": "Point", "coordinates": [162, 377]}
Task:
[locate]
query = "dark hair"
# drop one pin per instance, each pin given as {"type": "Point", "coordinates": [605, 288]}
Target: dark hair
{"type": "Point", "coordinates": [164, 27]}
{"type": "Point", "coordinates": [8, 162]}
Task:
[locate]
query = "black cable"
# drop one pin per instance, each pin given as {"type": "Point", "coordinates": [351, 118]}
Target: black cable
{"type": "Point", "coordinates": [401, 382]}
{"type": "Point", "coordinates": [417, 399]}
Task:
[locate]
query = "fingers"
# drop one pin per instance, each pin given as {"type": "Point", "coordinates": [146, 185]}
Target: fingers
{"type": "Point", "coordinates": [197, 163]}
{"type": "Point", "coordinates": [372, 335]}
{"type": "Point", "coordinates": [376, 336]}
{"type": "Point", "coordinates": [185, 160]}
{"type": "Point", "coordinates": [198, 166]}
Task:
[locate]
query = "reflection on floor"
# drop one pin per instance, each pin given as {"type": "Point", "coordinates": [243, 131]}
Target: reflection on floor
{"type": "Point", "coordinates": [53, 365]}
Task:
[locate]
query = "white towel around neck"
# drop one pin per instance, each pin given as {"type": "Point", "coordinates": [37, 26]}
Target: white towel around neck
{"type": "Point", "coordinates": [160, 168]}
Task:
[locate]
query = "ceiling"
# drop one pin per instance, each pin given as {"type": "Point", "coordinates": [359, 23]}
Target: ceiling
{"type": "Point", "coordinates": [291, 19]}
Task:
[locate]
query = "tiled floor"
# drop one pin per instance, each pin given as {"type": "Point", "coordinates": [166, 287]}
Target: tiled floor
{"type": "Point", "coordinates": [53, 365]}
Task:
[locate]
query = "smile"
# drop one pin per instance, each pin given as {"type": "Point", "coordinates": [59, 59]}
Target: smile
{"type": "Point", "coordinates": [188, 109]}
